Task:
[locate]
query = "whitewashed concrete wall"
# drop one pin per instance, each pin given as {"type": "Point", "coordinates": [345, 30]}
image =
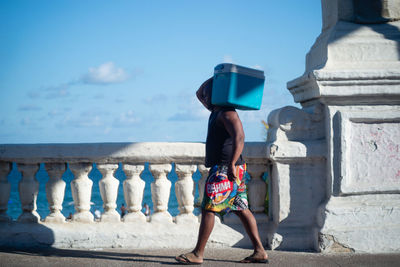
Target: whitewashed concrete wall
{"type": "Point", "coordinates": [160, 230]}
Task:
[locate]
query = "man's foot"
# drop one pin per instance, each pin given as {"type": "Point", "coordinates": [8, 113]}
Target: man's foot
{"type": "Point", "coordinates": [256, 257]}
{"type": "Point", "coordinates": [189, 258]}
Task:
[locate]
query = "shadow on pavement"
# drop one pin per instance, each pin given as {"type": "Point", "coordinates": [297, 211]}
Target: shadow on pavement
{"type": "Point", "coordinates": [152, 257]}
{"type": "Point", "coordinates": [88, 254]}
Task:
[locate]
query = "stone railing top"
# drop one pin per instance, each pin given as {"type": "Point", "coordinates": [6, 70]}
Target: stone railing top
{"type": "Point", "coordinates": [180, 152]}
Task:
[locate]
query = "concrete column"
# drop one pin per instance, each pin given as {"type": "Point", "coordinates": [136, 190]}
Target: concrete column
{"type": "Point", "coordinates": [133, 193]}
{"type": "Point", "coordinates": [55, 190]}
{"type": "Point", "coordinates": [160, 191]}
{"type": "Point", "coordinates": [28, 191]}
{"type": "Point", "coordinates": [109, 191]}
{"type": "Point", "coordinates": [184, 189]}
{"type": "Point", "coordinates": [81, 188]}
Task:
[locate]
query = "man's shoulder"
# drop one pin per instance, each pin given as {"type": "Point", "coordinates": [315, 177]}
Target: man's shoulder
{"type": "Point", "coordinates": [227, 110]}
{"type": "Point", "coordinates": [228, 116]}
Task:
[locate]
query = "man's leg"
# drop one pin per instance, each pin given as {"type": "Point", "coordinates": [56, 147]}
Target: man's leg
{"type": "Point", "coordinates": [206, 227]}
{"type": "Point", "coordinates": [250, 224]}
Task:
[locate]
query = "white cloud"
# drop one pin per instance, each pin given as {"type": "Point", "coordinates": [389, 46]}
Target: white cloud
{"type": "Point", "coordinates": [257, 67]}
{"type": "Point", "coordinates": [191, 110]}
{"type": "Point", "coordinates": [60, 92]}
{"type": "Point", "coordinates": [29, 108]}
{"type": "Point", "coordinates": [106, 73]}
{"type": "Point", "coordinates": [52, 92]}
{"type": "Point", "coordinates": [30, 123]}
{"type": "Point", "coordinates": [33, 94]}
{"type": "Point", "coordinates": [107, 130]}
{"type": "Point", "coordinates": [93, 118]}
{"type": "Point", "coordinates": [58, 112]}
{"type": "Point", "coordinates": [126, 119]}
{"type": "Point", "coordinates": [83, 122]}
{"type": "Point", "coordinates": [228, 59]}
{"type": "Point", "coordinates": [93, 112]}
{"type": "Point", "coordinates": [95, 121]}
{"type": "Point", "coordinates": [188, 115]}
{"type": "Point", "coordinates": [158, 99]}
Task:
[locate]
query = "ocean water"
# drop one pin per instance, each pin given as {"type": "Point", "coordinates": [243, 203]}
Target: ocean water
{"type": "Point", "coordinates": [14, 204]}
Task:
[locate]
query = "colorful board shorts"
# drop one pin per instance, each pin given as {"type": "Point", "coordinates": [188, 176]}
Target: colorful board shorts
{"type": "Point", "coordinates": [222, 195]}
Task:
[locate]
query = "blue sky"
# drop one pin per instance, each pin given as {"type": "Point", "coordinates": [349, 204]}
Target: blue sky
{"type": "Point", "coordinates": [127, 71]}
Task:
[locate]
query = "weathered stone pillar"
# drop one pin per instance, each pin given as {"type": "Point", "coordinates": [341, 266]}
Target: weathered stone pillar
{"type": "Point", "coordinates": [184, 189]}
{"type": "Point", "coordinates": [133, 193]}
{"type": "Point", "coordinates": [5, 189]}
{"type": "Point", "coordinates": [160, 191]}
{"type": "Point", "coordinates": [55, 190]}
{"type": "Point", "coordinates": [28, 191]}
{"type": "Point", "coordinates": [81, 188]}
{"type": "Point", "coordinates": [352, 81]}
{"type": "Point", "coordinates": [296, 147]}
{"type": "Point", "coordinates": [109, 191]}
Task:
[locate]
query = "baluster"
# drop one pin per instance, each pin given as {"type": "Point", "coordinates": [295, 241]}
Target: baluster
{"type": "Point", "coordinates": [28, 191]}
{"type": "Point", "coordinates": [133, 193]}
{"type": "Point", "coordinates": [81, 188]}
{"type": "Point", "coordinates": [184, 189]}
{"type": "Point", "coordinates": [109, 192]}
{"type": "Point", "coordinates": [160, 191]}
{"type": "Point", "coordinates": [55, 190]}
{"type": "Point", "coordinates": [257, 189]}
{"type": "Point", "coordinates": [202, 182]}
{"type": "Point", "coordinates": [5, 188]}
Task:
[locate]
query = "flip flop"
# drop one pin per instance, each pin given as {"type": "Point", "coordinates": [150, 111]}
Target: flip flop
{"type": "Point", "coordinates": [183, 259]}
{"type": "Point", "coordinates": [252, 259]}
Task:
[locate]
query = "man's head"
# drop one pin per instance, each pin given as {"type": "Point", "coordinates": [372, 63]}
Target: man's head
{"type": "Point", "coordinates": [204, 94]}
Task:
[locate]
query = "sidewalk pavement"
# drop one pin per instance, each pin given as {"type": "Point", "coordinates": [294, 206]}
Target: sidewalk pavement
{"type": "Point", "coordinates": [159, 257]}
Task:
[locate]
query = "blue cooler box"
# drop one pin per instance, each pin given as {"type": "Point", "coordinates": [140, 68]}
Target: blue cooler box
{"type": "Point", "coordinates": [237, 86]}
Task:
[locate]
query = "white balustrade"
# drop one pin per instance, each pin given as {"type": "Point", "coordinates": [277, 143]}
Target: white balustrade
{"type": "Point", "coordinates": [188, 156]}
{"type": "Point", "coordinates": [184, 189]}
{"type": "Point", "coordinates": [5, 189]}
{"type": "Point", "coordinates": [55, 190]}
{"type": "Point", "coordinates": [109, 192]}
{"type": "Point", "coordinates": [81, 188]}
{"type": "Point", "coordinates": [162, 228]}
{"type": "Point", "coordinates": [202, 182]}
{"type": "Point", "coordinates": [28, 191]}
{"type": "Point", "coordinates": [160, 191]}
{"type": "Point", "coordinates": [257, 190]}
{"type": "Point", "coordinates": [133, 193]}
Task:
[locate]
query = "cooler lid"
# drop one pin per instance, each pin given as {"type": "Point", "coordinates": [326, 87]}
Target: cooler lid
{"type": "Point", "coordinates": [229, 67]}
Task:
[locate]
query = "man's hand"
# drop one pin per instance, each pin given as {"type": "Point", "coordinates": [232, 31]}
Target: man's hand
{"type": "Point", "coordinates": [232, 172]}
